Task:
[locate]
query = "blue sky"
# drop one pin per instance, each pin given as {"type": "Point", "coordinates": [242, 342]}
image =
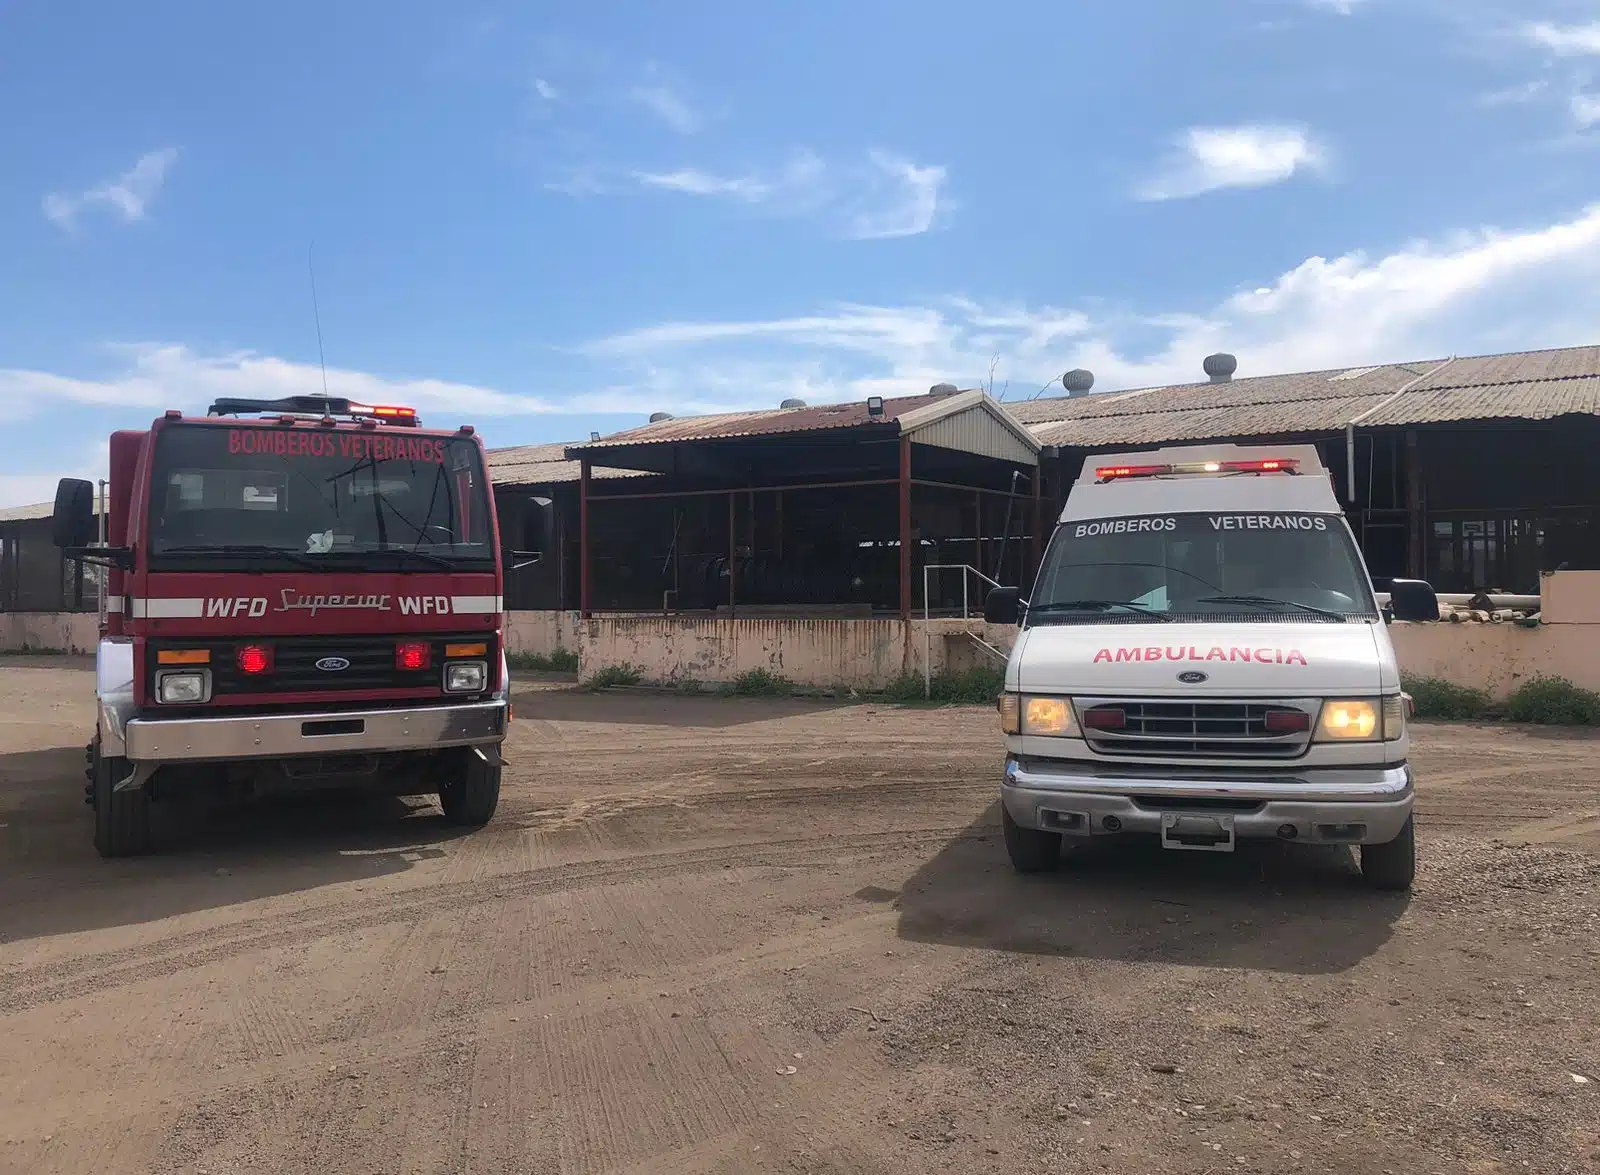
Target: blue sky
{"type": "Point", "coordinates": [546, 219]}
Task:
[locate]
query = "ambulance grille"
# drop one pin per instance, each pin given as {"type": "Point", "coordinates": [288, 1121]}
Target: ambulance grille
{"type": "Point", "coordinates": [1160, 728]}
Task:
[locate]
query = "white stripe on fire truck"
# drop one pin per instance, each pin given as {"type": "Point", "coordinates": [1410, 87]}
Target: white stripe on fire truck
{"type": "Point", "coordinates": [114, 604]}
{"type": "Point", "coordinates": [171, 609]}
{"type": "Point", "coordinates": [195, 608]}
{"type": "Point", "coordinates": [468, 605]}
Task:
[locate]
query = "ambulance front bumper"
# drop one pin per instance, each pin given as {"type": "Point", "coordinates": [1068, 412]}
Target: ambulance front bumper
{"type": "Point", "coordinates": [1347, 805]}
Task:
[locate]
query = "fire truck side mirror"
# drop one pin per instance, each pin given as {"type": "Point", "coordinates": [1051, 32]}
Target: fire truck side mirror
{"type": "Point", "coordinates": [539, 530]}
{"type": "Point", "coordinates": [541, 525]}
{"type": "Point", "coordinates": [72, 522]}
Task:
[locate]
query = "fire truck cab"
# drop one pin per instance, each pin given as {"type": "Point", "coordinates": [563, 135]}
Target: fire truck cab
{"type": "Point", "coordinates": [299, 593]}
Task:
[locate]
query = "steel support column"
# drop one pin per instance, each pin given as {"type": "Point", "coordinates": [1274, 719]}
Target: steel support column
{"type": "Point", "coordinates": [585, 600]}
{"type": "Point", "coordinates": [1036, 547]}
{"type": "Point", "coordinates": [1416, 512]}
{"type": "Point", "coordinates": [905, 528]}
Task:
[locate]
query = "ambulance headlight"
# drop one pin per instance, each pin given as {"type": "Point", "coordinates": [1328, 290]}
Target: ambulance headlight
{"type": "Point", "coordinates": [1350, 720]}
{"type": "Point", "coordinates": [1052, 717]}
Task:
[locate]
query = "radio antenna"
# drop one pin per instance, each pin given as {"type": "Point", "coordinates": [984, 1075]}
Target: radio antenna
{"type": "Point", "coordinates": [316, 315]}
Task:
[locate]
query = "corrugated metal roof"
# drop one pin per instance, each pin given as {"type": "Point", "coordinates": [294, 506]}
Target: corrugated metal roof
{"type": "Point", "coordinates": [766, 422]}
{"type": "Point", "coordinates": [28, 513]}
{"type": "Point", "coordinates": [967, 421]}
{"type": "Point", "coordinates": [535, 465]}
{"type": "Point", "coordinates": [1530, 385]}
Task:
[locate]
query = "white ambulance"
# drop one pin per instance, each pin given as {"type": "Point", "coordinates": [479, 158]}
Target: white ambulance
{"type": "Point", "coordinates": [1203, 658]}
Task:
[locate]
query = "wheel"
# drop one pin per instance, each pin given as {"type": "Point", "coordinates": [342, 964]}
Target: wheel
{"type": "Point", "coordinates": [473, 793]}
{"type": "Point", "coordinates": [1392, 866]}
{"type": "Point", "coordinates": [121, 819]}
{"type": "Point", "coordinates": [1031, 851]}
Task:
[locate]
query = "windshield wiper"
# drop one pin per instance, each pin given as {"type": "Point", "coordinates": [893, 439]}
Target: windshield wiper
{"type": "Point", "coordinates": [1275, 602]}
{"type": "Point", "coordinates": [1100, 606]}
{"type": "Point", "coordinates": [403, 553]}
{"type": "Point", "coordinates": [298, 558]}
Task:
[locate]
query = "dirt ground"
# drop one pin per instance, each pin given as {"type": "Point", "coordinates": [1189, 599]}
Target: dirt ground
{"type": "Point", "coordinates": [734, 936]}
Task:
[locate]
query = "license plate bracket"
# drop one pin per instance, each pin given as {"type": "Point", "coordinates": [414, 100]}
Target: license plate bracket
{"type": "Point", "coordinates": [1201, 832]}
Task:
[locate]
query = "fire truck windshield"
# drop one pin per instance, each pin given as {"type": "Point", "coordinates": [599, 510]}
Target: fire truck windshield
{"type": "Point", "coordinates": [270, 496]}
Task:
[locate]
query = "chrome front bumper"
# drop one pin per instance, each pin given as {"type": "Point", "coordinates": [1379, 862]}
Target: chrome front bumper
{"type": "Point", "coordinates": [1339, 805]}
{"type": "Point", "coordinates": [276, 736]}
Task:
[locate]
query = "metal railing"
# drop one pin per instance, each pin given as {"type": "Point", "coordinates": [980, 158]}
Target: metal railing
{"type": "Point", "coordinates": [967, 571]}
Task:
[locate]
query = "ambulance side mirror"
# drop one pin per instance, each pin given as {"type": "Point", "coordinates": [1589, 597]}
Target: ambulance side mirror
{"type": "Point", "coordinates": [72, 521]}
{"type": "Point", "coordinates": [1004, 606]}
{"type": "Point", "coordinates": [1414, 600]}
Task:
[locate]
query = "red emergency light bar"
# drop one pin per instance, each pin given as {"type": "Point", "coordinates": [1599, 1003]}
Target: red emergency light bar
{"type": "Point", "coordinates": [1268, 465]}
{"type": "Point", "coordinates": [292, 408]}
{"type": "Point", "coordinates": [385, 412]}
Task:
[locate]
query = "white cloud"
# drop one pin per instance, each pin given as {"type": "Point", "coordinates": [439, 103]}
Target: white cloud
{"type": "Point", "coordinates": [694, 182]}
{"type": "Point", "coordinates": [1251, 156]}
{"type": "Point", "coordinates": [127, 196]}
{"type": "Point", "coordinates": [545, 90]}
{"type": "Point", "coordinates": [884, 195]}
{"type": "Point", "coordinates": [1585, 109]}
{"type": "Point", "coordinates": [1475, 292]}
{"type": "Point", "coordinates": [1579, 40]}
{"type": "Point", "coordinates": [158, 376]}
{"type": "Point", "coordinates": [1342, 7]}
{"type": "Point", "coordinates": [801, 182]}
{"type": "Point", "coordinates": [667, 104]}
{"type": "Point", "coordinates": [1516, 95]}
{"type": "Point", "coordinates": [902, 199]}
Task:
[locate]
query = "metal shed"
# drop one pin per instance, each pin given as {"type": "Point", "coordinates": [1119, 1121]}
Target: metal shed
{"type": "Point", "coordinates": [870, 471]}
{"type": "Point", "coordinates": [1474, 471]}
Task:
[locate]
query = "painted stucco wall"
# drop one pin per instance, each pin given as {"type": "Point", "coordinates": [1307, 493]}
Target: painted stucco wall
{"type": "Point", "coordinates": [868, 654]}
{"type": "Point", "coordinates": [71, 632]}
{"type": "Point", "coordinates": [863, 654]}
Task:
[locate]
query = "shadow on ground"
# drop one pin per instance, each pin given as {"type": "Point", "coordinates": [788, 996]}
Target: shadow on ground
{"type": "Point", "coordinates": [206, 857]}
{"type": "Point", "coordinates": [1271, 907]}
{"type": "Point", "coordinates": [618, 708]}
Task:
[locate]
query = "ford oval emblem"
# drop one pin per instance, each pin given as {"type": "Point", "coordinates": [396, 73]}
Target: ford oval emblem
{"type": "Point", "coordinates": [333, 664]}
{"type": "Point", "coordinates": [1192, 677]}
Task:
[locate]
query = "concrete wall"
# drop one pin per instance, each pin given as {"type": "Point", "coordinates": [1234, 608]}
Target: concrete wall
{"type": "Point", "coordinates": [541, 632]}
{"type": "Point", "coordinates": [1500, 657]}
{"type": "Point", "coordinates": [72, 632]}
{"type": "Point", "coordinates": [863, 654]}
{"type": "Point", "coordinates": [868, 654]}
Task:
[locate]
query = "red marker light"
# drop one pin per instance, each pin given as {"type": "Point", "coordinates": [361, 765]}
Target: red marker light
{"type": "Point", "coordinates": [412, 655]}
{"type": "Point", "coordinates": [1105, 719]}
{"type": "Point", "coordinates": [1270, 465]}
{"type": "Point", "coordinates": [254, 660]}
{"type": "Point", "coordinates": [391, 413]}
{"type": "Point", "coordinates": [1287, 721]}
{"type": "Point", "coordinates": [1109, 472]}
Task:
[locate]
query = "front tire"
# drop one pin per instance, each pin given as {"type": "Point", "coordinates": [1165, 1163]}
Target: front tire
{"type": "Point", "coordinates": [1031, 850]}
{"type": "Point", "coordinates": [472, 795]}
{"type": "Point", "coordinates": [1392, 866]}
{"type": "Point", "coordinates": [121, 819]}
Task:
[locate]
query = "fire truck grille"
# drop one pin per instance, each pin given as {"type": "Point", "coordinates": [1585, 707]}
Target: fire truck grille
{"type": "Point", "coordinates": [341, 664]}
{"type": "Point", "coordinates": [1197, 730]}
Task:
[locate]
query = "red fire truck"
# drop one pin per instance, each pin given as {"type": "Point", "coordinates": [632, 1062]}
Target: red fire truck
{"type": "Point", "coordinates": [300, 593]}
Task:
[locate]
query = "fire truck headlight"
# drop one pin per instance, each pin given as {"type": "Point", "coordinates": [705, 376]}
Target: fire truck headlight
{"type": "Point", "coordinates": [465, 677]}
{"type": "Point", "coordinates": [186, 688]}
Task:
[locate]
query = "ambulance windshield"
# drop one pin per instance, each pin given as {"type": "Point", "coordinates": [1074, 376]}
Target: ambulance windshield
{"type": "Point", "coordinates": [1202, 567]}
{"type": "Point", "coordinates": [273, 496]}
